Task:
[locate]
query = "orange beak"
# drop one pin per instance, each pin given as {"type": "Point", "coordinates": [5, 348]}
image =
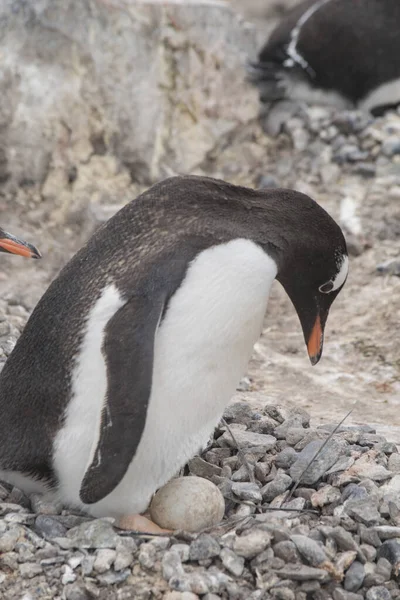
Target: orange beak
{"type": "Point", "coordinates": [13, 245]}
{"type": "Point", "coordinates": [315, 342]}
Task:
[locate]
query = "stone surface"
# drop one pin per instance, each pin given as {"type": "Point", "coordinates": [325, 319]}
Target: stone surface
{"type": "Point", "coordinates": [190, 503]}
{"type": "Point", "coordinates": [205, 546]}
{"type": "Point", "coordinates": [106, 96]}
{"type": "Point", "coordinates": [327, 457]}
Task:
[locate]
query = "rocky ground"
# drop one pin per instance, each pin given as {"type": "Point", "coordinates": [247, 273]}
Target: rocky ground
{"type": "Point", "coordinates": [289, 533]}
{"type": "Point", "coordinates": [341, 539]}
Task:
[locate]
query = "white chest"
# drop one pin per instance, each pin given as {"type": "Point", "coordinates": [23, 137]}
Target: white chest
{"type": "Point", "coordinates": [201, 350]}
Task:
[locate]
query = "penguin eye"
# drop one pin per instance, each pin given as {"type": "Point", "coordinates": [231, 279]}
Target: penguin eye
{"type": "Point", "coordinates": [327, 287]}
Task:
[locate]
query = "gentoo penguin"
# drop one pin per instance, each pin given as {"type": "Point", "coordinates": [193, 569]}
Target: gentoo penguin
{"type": "Point", "coordinates": [134, 351]}
{"type": "Point", "coordinates": [9, 243]}
{"type": "Point", "coordinates": [340, 52]}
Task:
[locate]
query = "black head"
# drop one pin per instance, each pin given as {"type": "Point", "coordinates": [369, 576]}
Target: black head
{"type": "Point", "coordinates": [12, 245]}
{"type": "Point", "coordinates": [312, 259]}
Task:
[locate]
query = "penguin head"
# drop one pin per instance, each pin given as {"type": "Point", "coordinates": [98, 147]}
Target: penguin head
{"type": "Point", "coordinates": [312, 262]}
{"type": "Point", "coordinates": [312, 291]}
{"type": "Point", "coordinates": [12, 245]}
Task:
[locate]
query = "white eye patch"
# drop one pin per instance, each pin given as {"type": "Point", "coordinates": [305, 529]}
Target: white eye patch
{"type": "Point", "coordinates": [338, 281]}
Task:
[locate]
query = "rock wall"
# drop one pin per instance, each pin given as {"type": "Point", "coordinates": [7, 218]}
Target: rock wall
{"type": "Point", "coordinates": [154, 84]}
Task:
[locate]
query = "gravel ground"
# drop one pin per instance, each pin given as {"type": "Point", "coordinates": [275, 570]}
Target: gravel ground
{"type": "Point", "coordinates": [338, 535]}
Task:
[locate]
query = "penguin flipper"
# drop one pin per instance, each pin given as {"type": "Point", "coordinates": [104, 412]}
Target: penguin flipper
{"type": "Point", "coordinates": [128, 349]}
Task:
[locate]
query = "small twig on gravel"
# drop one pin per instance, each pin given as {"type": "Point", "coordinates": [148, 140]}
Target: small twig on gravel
{"type": "Point", "coordinates": [241, 453]}
{"type": "Point", "coordinates": [300, 510]}
{"type": "Point", "coordinates": [296, 485]}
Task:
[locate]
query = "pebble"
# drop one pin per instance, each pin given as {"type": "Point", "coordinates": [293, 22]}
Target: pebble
{"type": "Point", "coordinates": [93, 534]}
{"type": "Point", "coordinates": [297, 572]}
{"type": "Point", "coordinates": [311, 550]}
{"type": "Point", "coordinates": [286, 458]}
{"type": "Point", "coordinates": [354, 577]}
{"type": "Point", "coordinates": [29, 570]}
{"type": "Point", "coordinates": [104, 559]}
{"type": "Point", "coordinates": [49, 527]}
{"type": "Point", "coordinates": [277, 486]}
{"type": "Point", "coordinates": [251, 543]}
{"type": "Point", "coordinates": [247, 491]}
{"type": "Point", "coordinates": [147, 555]}
{"type": "Point", "coordinates": [378, 593]}
{"type": "Point", "coordinates": [327, 457]}
{"type": "Point", "coordinates": [171, 565]}
{"type": "Point", "coordinates": [364, 511]}
{"type": "Point", "coordinates": [247, 439]}
{"type": "Point", "coordinates": [326, 495]}
{"type": "Point", "coordinates": [198, 466]}
{"type": "Point", "coordinates": [232, 562]}
{"type": "Point", "coordinates": [205, 546]}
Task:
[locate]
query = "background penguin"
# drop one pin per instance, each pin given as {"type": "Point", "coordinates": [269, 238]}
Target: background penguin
{"type": "Point", "coordinates": [134, 351]}
{"type": "Point", "coordinates": [340, 52]}
{"type": "Point", "coordinates": [12, 245]}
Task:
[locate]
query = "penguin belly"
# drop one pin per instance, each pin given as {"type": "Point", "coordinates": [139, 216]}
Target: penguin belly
{"type": "Point", "coordinates": [201, 350]}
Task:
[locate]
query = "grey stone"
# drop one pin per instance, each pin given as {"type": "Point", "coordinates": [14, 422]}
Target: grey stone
{"type": "Point", "coordinates": [104, 559]}
{"type": "Point", "coordinates": [384, 568]}
{"type": "Point", "coordinates": [364, 511]}
{"type": "Point", "coordinates": [247, 491]}
{"type": "Point", "coordinates": [29, 570]}
{"type": "Point", "coordinates": [242, 475]}
{"type": "Point", "coordinates": [261, 470]}
{"type": "Point", "coordinates": [251, 543]}
{"type": "Point", "coordinates": [298, 572]}
{"type": "Point", "coordinates": [325, 495]}
{"type": "Point", "coordinates": [378, 593]}
{"type": "Point", "coordinates": [147, 555]}
{"type": "Point", "coordinates": [198, 466]}
{"type": "Point", "coordinates": [387, 532]}
{"type": "Point", "coordinates": [345, 542]}
{"type": "Point", "coordinates": [183, 551]}
{"type": "Point", "coordinates": [9, 539]}
{"type": "Point", "coordinates": [369, 552]}
{"type": "Point", "coordinates": [113, 578]}
{"type": "Point", "coordinates": [247, 439]}
{"type": "Point", "coordinates": [93, 534]}
{"type": "Point", "coordinates": [353, 492]}
{"type": "Point", "coordinates": [340, 594]}
{"type": "Point", "coordinates": [368, 535]}
{"type": "Point", "coordinates": [232, 562]}
{"type": "Point", "coordinates": [76, 592]}
{"type": "Point", "coordinates": [124, 554]}
{"type": "Point", "coordinates": [394, 459]}
{"type": "Point", "coordinates": [325, 459]}
{"type": "Point", "coordinates": [354, 577]}
{"type": "Point", "coordinates": [49, 527]}
{"type": "Point", "coordinates": [282, 593]}
{"type": "Point", "coordinates": [171, 565]}
{"type": "Point", "coordinates": [205, 546]}
{"type": "Point", "coordinates": [309, 549]}
{"type": "Point", "coordinates": [274, 488]}
{"type": "Point", "coordinates": [390, 550]}
{"type": "Point", "coordinates": [240, 412]}
{"type": "Point", "coordinates": [286, 458]}
{"type": "Point", "coordinates": [287, 550]}
{"type": "Point", "coordinates": [391, 146]}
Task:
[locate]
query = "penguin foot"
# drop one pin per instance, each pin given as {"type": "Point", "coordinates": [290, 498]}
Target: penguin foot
{"type": "Point", "coordinates": [140, 523]}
